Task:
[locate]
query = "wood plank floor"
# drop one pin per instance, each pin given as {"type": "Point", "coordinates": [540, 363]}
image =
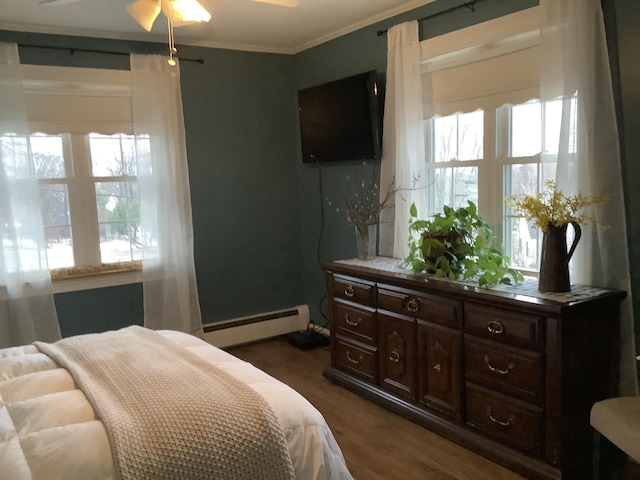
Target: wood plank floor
{"type": "Point", "coordinates": [377, 444]}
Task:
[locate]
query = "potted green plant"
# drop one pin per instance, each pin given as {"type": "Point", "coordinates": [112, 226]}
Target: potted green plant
{"type": "Point", "coordinates": [460, 245]}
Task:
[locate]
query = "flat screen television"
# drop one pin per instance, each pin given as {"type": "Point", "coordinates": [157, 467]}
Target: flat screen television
{"type": "Point", "coordinates": [340, 120]}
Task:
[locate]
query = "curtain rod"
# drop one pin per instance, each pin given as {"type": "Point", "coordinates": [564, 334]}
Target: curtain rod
{"type": "Point", "coordinates": [73, 50]}
{"type": "Point", "coordinates": [470, 5]}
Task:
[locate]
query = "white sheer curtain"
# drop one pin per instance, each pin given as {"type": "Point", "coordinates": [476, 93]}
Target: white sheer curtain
{"type": "Point", "coordinates": [403, 154]}
{"type": "Point", "coordinates": [575, 68]}
{"type": "Point", "coordinates": [168, 271]}
{"type": "Point", "coordinates": [27, 309]}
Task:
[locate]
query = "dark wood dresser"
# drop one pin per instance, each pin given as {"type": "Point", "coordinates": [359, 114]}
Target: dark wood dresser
{"type": "Point", "coordinates": [507, 372]}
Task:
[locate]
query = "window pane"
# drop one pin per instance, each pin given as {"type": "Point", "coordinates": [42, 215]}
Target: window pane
{"type": "Point", "coordinates": [552, 122]}
{"type": "Point", "coordinates": [526, 129]}
{"type": "Point", "coordinates": [113, 155]}
{"type": "Point", "coordinates": [21, 237]}
{"type": "Point", "coordinates": [453, 187]}
{"type": "Point", "coordinates": [48, 155]}
{"type": "Point", "coordinates": [118, 206]}
{"type": "Point", "coordinates": [54, 201]}
{"type": "Point", "coordinates": [553, 117]}
{"type": "Point", "coordinates": [445, 138]}
{"type": "Point", "coordinates": [143, 153]}
{"type": "Point", "coordinates": [59, 247]}
{"type": "Point", "coordinates": [15, 156]}
{"type": "Point", "coordinates": [470, 136]}
{"type": "Point", "coordinates": [523, 239]}
{"type": "Point", "coordinates": [458, 137]}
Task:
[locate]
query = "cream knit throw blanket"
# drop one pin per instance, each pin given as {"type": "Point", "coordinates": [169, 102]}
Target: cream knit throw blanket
{"type": "Point", "coordinates": [168, 413]}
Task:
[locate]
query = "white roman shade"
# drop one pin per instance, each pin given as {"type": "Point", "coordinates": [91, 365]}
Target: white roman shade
{"type": "Point", "coordinates": [77, 100]}
{"type": "Point", "coordinates": [500, 66]}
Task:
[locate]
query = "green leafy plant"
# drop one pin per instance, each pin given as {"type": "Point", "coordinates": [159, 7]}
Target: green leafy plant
{"type": "Point", "coordinates": [460, 245]}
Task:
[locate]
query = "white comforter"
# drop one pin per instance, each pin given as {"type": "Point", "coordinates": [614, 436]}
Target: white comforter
{"type": "Point", "coordinates": [48, 429]}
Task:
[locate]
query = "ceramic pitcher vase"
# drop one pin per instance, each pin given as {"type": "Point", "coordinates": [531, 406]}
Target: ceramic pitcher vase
{"type": "Point", "coordinates": [554, 263]}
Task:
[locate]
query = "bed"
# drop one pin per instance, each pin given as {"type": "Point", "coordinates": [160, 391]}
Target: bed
{"type": "Point", "coordinates": [49, 429]}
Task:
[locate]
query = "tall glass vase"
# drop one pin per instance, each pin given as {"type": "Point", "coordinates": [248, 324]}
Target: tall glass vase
{"type": "Point", "coordinates": [554, 262]}
{"type": "Point", "coordinates": [366, 241]}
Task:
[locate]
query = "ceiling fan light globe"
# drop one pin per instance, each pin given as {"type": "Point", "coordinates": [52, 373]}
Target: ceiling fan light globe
{"type": "Point", "coordinates": [144, 12]}
{"type": "Point", "coordinates": [185, 11]}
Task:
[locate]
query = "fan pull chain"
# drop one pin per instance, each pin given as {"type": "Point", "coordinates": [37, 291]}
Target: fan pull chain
{"type": "Point", "coordinates": [172, 45]}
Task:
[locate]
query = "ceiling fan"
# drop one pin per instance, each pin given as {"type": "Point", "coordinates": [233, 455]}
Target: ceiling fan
{"type": "Point", "coordinates": [145, 12]}
{"type": "Point", "coordinates": [178, 13]}
{"type": "Point", "coordinates": [282, 3]}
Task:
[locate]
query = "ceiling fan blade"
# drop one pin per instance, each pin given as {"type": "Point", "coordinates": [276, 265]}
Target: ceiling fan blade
{"type": "Point", "coordinates": [282, 3]}
{"type": "Point", "coordinates": [144, 12]}
{"type": "Point", "coordinates": [55, 3]}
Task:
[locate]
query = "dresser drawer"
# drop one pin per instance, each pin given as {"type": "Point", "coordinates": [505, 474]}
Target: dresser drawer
{"type": "Point", "coordinates": [358, 359]}
{"type": "Point", "coordinates": [517, 423]}
{"type": "Point", "coordinates": [419, 305]}
{"type": "Point", "coordinates": [354, 322]}
{"type": "Point", "coordinates": [354, 290]}
{"type": "Point", "coordinates": [504, 325]}
{"type": "Point", "coordinates": [511, 370]}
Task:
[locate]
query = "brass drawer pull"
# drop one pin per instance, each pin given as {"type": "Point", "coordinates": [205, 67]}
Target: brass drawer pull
{"type": "Point", "coordinates": [437, 367]}
{"type": "Point", "coordinates": [394, 356]}
{"type": "Point", "coordinates": [510, 367]}
{"type": "Point", "coordinates": [506, 423]}
{"type": "Point", "coordinates": [495, 327]}
{"type": "Point", "coordinates": [351, 322]}
{"type": "Point", "coordinates": [412, 306]}
{"type": "Point", "coordinates": [349, 291]}
{"type": "Point", "coordinates": [351, 360]}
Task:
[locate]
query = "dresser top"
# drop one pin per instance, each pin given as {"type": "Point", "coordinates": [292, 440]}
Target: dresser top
{"type": "Point", "coordinates": [381, 268]}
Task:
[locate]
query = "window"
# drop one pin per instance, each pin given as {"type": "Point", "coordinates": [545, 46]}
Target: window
{"type": "Point", "coordinates": [487, 135]}
{"type": "Point", "coordinates": [88, 181]}
{"type": "Point", "coordinates": [89, 195]}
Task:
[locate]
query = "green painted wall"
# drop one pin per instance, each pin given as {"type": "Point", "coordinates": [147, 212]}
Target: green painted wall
{"type": "Point", "coordinates": [99, 310]}
{"type": "Point", "coordinates": [240, 119]}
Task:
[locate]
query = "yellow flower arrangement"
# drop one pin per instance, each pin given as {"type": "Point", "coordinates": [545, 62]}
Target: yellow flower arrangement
{"type": "Point", "coordinates": [552, 207]}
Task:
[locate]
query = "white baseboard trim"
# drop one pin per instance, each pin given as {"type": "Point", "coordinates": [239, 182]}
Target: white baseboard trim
{"type": "Point", "coordinates": [257, 327]}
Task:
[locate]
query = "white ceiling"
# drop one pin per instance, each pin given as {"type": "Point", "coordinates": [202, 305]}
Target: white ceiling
{"type": "Point", "coordinates": [235, 24]}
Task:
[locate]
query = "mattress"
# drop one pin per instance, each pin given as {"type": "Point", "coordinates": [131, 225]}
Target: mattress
{"type": "Point", "coordinates": [48, 429]}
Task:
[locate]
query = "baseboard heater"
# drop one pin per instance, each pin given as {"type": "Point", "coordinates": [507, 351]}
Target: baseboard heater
{"type": "Point", "coordinates": [257, 327]}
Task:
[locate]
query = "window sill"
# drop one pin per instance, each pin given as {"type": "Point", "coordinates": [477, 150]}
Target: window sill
{"type": "Point", "coordinates": [528, 273]}
{"type": "Point", "coordinates": [89, 280]}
